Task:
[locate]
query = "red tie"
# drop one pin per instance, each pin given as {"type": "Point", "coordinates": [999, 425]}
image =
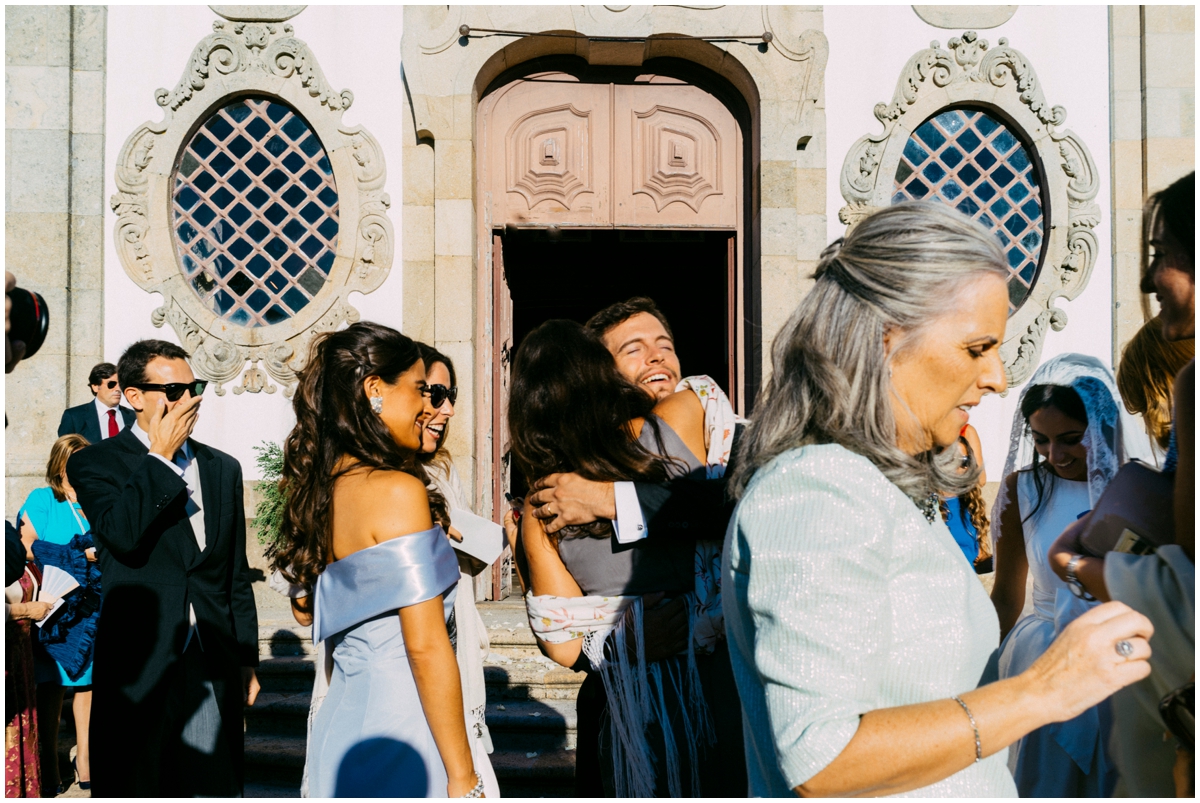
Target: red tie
{"type": "Point", "coordinates": [112, 424]}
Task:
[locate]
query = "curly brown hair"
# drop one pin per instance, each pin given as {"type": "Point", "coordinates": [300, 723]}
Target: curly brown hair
{"type": "Point", "coordinates": [334, 421]}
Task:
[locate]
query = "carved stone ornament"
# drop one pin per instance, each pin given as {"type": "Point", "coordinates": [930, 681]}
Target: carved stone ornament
{"type": "Point", "coordinates": [261, 59]}
{"type": "Point", "coordinates": [1000, 79]}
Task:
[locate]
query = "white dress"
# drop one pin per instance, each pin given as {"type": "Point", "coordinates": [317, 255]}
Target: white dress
{"type": "Point", "coordinates": [840, 598]}
{"type": "Point", "coordinates": [1063, 759]}
{"type": "Point", "coordinates": [473, 645]}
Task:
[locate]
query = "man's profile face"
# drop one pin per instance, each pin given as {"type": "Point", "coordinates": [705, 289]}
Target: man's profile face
{"type": "Point", "coordinates": [108, 391]}
{"type": "Point", "coordinates": [161, 371]}
{"type": "Point", "coordinates": [645, 354]}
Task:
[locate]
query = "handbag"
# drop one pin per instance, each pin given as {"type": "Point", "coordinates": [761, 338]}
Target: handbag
{"type": "Point", "coordinates": [1135, 514]}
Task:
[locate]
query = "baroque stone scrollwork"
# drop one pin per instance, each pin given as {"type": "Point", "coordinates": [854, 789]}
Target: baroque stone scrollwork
{"type": "Point", "coordinates": [261, 58]}
{"type": "Point", "coordinates": [1000, 80]}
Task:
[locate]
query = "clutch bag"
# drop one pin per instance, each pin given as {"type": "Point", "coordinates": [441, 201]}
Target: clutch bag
{"type": "Point", "coordinates": [1136, 513]}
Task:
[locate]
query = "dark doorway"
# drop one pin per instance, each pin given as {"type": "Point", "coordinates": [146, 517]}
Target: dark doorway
{"type": "Point", "coordinates": [575, 273]}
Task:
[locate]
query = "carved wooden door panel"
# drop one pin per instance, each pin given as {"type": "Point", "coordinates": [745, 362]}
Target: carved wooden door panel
{"type": "Point", "coordinates": [676, 150]}
{"type": "Point", "coordinates": [548, 150]}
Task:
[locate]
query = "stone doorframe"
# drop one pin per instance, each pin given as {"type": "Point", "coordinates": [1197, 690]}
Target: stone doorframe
{"type": "Point", "coordinates": [447, 274]}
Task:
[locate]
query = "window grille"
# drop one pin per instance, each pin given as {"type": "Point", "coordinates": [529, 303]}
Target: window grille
{"type": "Point", "coordinates": [976, 163]}
{"type": "Point", "coordinates": [255, 212]}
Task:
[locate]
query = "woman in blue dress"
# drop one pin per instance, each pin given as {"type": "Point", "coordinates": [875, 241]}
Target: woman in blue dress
{"type": "Point", "coordinates": [364, 536]}
{"type": "Point", "coordinates": [52, 519]}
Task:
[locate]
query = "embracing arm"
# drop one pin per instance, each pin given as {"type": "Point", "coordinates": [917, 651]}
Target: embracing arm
{"type": "Point", "coordinates": [1012, 564]}
{"type": "Point", "coordinates": [548, 576]}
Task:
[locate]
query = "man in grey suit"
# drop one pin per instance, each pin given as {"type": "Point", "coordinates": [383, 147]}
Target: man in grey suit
{"type": "Point", "coordinates": [103, 417]}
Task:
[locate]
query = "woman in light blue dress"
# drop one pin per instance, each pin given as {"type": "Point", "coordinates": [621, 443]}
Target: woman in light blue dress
{"type": "Point", "coordinates": [365, 538]}
{"type": "Point", "coordinates": [53, 521]}
{"type": "Point", "coordinates": [1067, 439]}
{"type": "Point", "coordinates": [858, 633]}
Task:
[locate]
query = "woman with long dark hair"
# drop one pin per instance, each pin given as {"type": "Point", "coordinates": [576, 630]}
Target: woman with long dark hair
{"type": "Point", "coordinates": [572, 411]}
{"type": "Point", "coordinates": [1067, 444]}
{"type": "Point", "coordinates": [365, 538]}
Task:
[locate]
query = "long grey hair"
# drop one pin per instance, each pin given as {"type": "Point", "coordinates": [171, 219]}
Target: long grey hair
{"type": "Point", "coordinates": [897, 270]}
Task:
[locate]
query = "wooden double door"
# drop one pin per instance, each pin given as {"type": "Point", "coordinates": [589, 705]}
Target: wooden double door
{"type": "Point", "coordinates": [590, 193]}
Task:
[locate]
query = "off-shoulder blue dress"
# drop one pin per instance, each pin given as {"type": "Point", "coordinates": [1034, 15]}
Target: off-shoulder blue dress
{"type": "Point", "coordinates": [370, 738]}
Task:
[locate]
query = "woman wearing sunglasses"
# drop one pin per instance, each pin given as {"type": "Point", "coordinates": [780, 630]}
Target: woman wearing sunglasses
{"type": "Point", "coordinates": [471, 633]}
{"type": "Point", "coordinates": [363, 535]}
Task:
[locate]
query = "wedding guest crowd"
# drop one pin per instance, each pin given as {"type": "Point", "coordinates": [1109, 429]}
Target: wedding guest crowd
{"type": "Point", "coordinates": [785, 605]}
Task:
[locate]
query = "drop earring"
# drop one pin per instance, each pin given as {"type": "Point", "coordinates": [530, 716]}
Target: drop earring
{"type": "Point", "coordinates": [377, 404]}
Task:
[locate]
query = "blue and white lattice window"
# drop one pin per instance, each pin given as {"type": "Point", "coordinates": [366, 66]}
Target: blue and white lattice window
{"type": "Point", "coordinates": [972, 161]}
{"type": "Point", "coordinates": [255, 213]}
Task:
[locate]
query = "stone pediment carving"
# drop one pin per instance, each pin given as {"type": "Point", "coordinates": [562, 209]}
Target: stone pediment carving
{"type": "Point", "coordinates": [186, 206]}
{"type": "Point", "coordinates": [1002, 82]}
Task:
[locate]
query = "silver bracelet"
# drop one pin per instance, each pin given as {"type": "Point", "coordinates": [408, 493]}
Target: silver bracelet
{"type": "Point", "coordinates": [478, 790]}
{"type": "Point", "coordinates": [974, 727]}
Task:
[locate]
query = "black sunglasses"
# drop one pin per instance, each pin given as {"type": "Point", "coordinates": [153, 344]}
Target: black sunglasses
{"type": "Point", "coordinates": [110, 384]}
{"type": "Point", "coordinates": [175, 390]}
{"type": "Point", "coordinates": [438, 394]}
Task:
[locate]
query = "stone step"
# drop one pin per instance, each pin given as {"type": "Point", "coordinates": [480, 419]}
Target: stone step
{"type": "Point", "coordinates": [276, 763]}
{"type": "Point", "coordinates": [525, 724]}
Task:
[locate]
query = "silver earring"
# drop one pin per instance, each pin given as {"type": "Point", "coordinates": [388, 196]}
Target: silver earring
{"type": "Point", "coordinates": [377, 404]}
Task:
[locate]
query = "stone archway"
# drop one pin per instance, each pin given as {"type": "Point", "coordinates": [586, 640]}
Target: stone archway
{"type": "Point", "coordinates": [447, 74]}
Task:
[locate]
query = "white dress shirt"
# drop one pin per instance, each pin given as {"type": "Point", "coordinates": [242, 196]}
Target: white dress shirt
{"type": "Point", "coordinates": [184, 465]}
{"type": "Point", "coordinates": [630, 524]}
{"type": "Point", "coordinates": [102, 411]}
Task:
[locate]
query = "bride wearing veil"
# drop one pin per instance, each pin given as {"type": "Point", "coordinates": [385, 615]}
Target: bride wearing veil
{"type": "Point", "coordinates": [1068, 440]}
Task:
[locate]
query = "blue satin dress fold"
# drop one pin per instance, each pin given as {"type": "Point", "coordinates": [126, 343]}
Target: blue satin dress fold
{"type": "Point", "coordinates": [370, 738]}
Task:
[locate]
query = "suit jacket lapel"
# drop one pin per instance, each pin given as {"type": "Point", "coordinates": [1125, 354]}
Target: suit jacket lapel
{"type": "Point", "coordinates": [208, 471]}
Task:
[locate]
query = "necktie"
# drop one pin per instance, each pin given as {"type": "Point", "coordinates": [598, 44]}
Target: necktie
{"type": "Point", "coordinates": [112, 424]}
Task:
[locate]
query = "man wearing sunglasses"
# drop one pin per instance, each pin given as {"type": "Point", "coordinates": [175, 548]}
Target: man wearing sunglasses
{"type": "Point", "coordinates": [104, 416]}
{"type": "Point", "coordinates": [177, 639]}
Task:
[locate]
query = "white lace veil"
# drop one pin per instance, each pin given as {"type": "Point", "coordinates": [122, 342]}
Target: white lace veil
{"type": "Point", "coordinates": [1104, 437]}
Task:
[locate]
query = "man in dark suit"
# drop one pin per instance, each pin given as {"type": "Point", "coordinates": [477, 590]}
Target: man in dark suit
{"type": "Point", "coordinates": [177, 639]}
{"type": "Point", "coordinates": [643, 348]}
{"type": "Point", "coordinates": [103, 417]}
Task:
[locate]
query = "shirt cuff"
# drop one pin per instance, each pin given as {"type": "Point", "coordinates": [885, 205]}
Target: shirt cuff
{"type": "Point", "coordinates": [629, 525]}
{"type": "Point", "coordinates": [178, 471]}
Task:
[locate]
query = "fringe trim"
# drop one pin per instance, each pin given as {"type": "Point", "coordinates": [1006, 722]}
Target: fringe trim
{"type": "Point", "coordinates": [637, 696]}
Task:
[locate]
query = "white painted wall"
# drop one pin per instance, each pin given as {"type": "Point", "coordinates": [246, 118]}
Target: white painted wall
{"type": "Point", "coordinates": [358, 47]}
{"type": "Point", "coordinates": [1068, 48]}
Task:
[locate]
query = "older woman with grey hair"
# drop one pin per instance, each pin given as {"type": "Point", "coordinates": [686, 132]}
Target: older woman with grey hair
{"type": "Point", "coordinates": [858, 633]}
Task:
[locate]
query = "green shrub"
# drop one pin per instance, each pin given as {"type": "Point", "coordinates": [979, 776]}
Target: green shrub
{"type": "Point", "coordinates": [269, 513]}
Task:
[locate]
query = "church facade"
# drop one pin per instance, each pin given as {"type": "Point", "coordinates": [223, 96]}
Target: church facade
{"type": "Point", "coordinates": [239, 178]}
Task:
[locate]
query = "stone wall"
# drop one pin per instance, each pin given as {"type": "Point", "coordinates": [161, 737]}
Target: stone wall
{"type": "Point", "coordinates": [1152, 52]}
{"type": "Point", "coordinates": [54, 75]}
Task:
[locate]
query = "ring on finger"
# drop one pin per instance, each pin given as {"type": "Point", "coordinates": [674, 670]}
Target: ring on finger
{"type": "Point", "coordinates": [1124, 648]}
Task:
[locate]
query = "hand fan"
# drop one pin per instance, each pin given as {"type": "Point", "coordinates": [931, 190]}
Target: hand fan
{"type": "Point", "coordinates": [56, 584]}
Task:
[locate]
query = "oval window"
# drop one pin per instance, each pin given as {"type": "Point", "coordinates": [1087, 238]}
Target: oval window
{"type": "Point", "coordinates": [255, 212]}
{"type": "Point", "coordinates": [976, 163]}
